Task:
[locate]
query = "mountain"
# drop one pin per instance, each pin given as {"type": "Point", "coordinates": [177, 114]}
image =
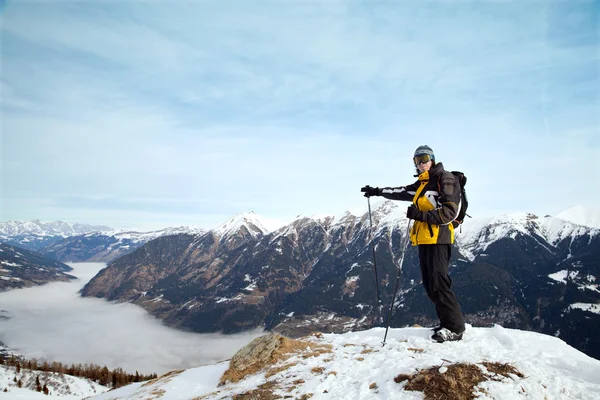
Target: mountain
{"type": "Point", "coordinates": [318, 274]}
{"type": "Point", "coordinates": [580, 215]}
{"type": "Point", "coordinates": [23, 268]}
{"type": "Point", "coordinates": [491, 363]}
{"type": "Point", "coordinates": [105, 246]}
{"type": "Point", "coordinates": [34, 235]}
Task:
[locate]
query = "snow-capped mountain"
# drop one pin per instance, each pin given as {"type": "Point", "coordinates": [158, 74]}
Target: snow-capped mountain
{"type": "Point", "coordinates": [475, 236]}
{"type": "Point", "coordinates": [79, 242]}
{"type": "Point", "coordinates": [580, 215]}
{"type": "Point", "coordinates": [250, 222]}
{"type": "Point", "coordinates": [34, 235]}
{"type": "Point", "coordinates": [107, 246]}
{"type": "Point", "coordinates": [47, 228]}
{"type": "Point", "coordinates": [318, 274]}
{"type": "Point", "coordinates": [23, 268]}
{"type": "Point", "coordinates": [491, 363]}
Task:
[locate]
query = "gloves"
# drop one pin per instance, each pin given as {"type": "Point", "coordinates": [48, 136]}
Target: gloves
{"type": "Point", "coordinates": [371, 191]}
{"type": "Point", "coordinates": [413, 213]}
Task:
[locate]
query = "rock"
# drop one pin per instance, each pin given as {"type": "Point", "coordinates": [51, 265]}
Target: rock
{"type": "Point", "coordinates": [256, 355]}
{"type": "Point", "coordinates": [258, 351]}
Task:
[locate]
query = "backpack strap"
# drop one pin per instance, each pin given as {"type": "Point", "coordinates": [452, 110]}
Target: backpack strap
{"type": "Point", "coordinates": [456, 179]}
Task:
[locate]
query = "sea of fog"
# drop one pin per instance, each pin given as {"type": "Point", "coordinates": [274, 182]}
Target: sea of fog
{"type": "Point", "coordinates": [55, 323]}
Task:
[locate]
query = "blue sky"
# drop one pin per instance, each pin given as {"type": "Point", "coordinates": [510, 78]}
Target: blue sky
{"type": "Point", "coordinates": [153, 114]}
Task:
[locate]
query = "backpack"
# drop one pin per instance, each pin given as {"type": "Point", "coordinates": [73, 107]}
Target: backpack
{"type": "Point", "coordinates": [464, 202]}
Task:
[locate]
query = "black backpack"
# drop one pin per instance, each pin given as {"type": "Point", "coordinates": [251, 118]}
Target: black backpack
{"type": "Point", "coordinates": [464, 202]}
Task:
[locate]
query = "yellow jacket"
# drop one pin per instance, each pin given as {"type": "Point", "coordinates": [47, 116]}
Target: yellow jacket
{"type": "Point", "coordinates": [437, 197]}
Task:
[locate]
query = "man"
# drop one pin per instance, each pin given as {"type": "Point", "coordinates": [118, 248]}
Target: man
{"type": "Point", "coordinates": [436, 202]}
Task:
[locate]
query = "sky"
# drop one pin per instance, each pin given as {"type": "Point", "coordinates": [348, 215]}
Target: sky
{"type": "Point", "coordinates": [123, 335]}
{"type": "Point", "coordinates": [146, 114]}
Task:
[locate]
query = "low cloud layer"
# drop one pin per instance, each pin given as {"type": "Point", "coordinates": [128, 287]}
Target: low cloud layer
{"type": "Point", "coordinates": [53, 322]}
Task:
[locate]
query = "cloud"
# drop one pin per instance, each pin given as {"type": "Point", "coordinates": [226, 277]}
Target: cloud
{"type": "Point", "coordinates": [89, 330]}
{"type": "Point", "coordinates": [221, 107]}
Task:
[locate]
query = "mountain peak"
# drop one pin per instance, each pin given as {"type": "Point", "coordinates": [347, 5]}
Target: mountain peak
{"type": "Point", "coordinates": [250, 220]}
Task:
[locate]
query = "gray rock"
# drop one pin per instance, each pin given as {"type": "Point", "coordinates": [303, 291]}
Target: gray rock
{"type": "Point", "coordinates": [257, 352]}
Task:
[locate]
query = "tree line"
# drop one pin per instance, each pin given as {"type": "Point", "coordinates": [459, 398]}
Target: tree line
{"type": "Point", "coordinates": [101, 375]}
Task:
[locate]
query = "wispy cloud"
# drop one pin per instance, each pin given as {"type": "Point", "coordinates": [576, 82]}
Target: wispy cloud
{"type": "Point", "coordinates": [288, 108]}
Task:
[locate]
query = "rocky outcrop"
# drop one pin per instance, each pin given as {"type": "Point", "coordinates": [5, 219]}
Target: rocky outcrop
{"type": "Point", "coordinates": [269, 353]}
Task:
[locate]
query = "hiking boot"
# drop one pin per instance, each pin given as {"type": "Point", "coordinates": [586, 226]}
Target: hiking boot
{"type": "Point", "coordinates": [446, 335]}
{"type": "Point", "coordinates": [436, 329]}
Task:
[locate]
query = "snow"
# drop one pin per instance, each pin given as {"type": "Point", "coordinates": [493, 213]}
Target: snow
{"type": "Point", "coordinates": [143, 237]}
{"type": "Point", "coordinates": [561, 276]}
{"type": "Point", "coordinates": [222, 299]}
{"type": "Point", "coordinates": [250, 220]}
{"type": "Point", "coordinates": [63, 387]}
{"type": "Point", "coordinates": [359, 367]}
{"type": "Point", "coordinates": [9, 264]}
{"type": "Point", "coordinates": [47, 228]}
{"type": "Point", "coordinates": [593, 308]}
{"type": "Point", "coordinates": [187, 384]}
{"type": "Point", "coordinates": [251, 287]}
{"type": "Point", "coordinates": [475, 235]}
{"type": "Point", "coordinates": [582, 215]}
{"type": "Point", "coordinates": [355, 265]}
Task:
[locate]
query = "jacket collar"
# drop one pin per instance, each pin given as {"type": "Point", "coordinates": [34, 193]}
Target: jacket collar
{"type": "Point", "coordinates": [437, 169]}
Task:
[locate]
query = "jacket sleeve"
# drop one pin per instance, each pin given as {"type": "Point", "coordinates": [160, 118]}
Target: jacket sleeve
{"type": "Point", "coordinates": [404, 193]}
{"type": "Point", "coordinates": [448, 201]}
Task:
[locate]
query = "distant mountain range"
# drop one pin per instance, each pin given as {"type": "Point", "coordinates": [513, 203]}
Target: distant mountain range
{"type": "Point", "coordinates": [518, 270]}
{"type": "Point", "coordinates": [105, 246]}
{"type": "Point", "coordinates": [35, 235]}
{"type": "Point", "coordinates": [79, 242]}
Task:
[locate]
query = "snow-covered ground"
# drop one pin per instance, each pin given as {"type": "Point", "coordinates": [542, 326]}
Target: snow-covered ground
{"type": "Point", "coordinates": [62, 386]}
{"type": "Point", "coordinates": [359, 367]}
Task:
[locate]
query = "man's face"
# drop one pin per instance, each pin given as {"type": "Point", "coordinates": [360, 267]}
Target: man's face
{"type": "Point", "coordinates": [424, 166]}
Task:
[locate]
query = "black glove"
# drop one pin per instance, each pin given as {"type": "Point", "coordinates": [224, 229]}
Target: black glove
{"type": "Point", "coordinates": [371, 191]}
{"type": "Point", "coordinates": [413, 213]}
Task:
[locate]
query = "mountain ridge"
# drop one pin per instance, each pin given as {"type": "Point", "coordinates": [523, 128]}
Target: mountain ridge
{"type": "Point", "coordinates": [317, 274]}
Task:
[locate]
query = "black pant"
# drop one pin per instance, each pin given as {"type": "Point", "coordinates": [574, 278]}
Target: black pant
{"type": "Point", "coordinates": [434, 260]}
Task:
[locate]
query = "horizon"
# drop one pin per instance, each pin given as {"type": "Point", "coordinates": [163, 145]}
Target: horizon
{"type": "Point", "coordinates": [571, 214]}
{"type": "Point", "coordinates": [153, 115]}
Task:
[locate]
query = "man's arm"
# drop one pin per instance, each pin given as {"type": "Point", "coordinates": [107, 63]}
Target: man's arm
{"type": "Point", "coordinates": [403, 193]}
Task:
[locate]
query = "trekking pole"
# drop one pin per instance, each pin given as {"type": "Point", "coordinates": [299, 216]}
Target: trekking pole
{"type": "Point", "coordinates": [389, 316]}
{"type": "Point", "coordinates": [379, 305]}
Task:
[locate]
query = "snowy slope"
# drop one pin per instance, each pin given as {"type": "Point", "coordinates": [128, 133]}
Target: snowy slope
{"type": "Point", "coordinates": [60, 386]}
{"type": "Point", "coordinates": [254, 224]}
{"type": "Point", "coordinates": [582, 215]}
{"type": "Point", "coordinates": [359, 367]}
